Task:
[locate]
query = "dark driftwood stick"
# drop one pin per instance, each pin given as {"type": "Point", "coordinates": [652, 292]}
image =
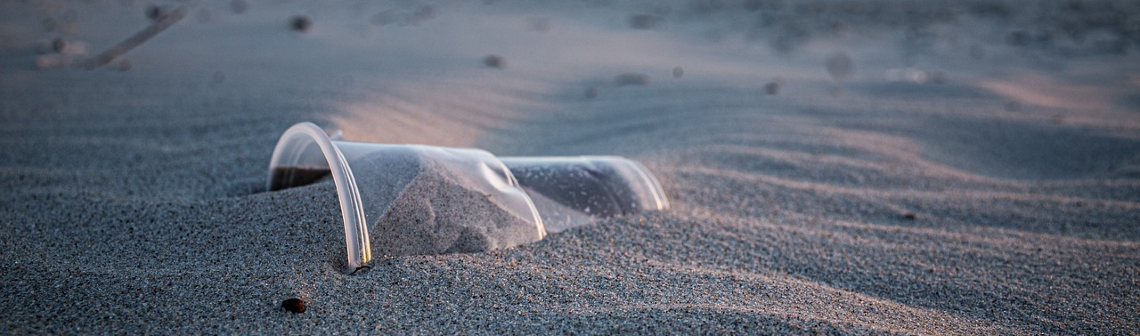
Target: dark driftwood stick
{"type": "Point", "coordinates": [137, 39]}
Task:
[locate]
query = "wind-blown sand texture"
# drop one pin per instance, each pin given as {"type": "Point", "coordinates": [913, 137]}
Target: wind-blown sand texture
{"type": "Point", "coordinates": [975, 171]}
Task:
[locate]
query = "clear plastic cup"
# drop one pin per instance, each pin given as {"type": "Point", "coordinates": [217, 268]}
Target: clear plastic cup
{"type": "Point", "coordinates": [414, 199]}
{"type": "Point", "coordinates": [574, 191]}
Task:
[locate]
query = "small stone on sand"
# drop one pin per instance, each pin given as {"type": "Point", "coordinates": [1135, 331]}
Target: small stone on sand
{"type": "Point", "coordinates": [494, 61]}
{"type": "Point", "coordinates": [632, 78]}
{"type": "Point", "coordinates": [772, 88]}
{"type": "Point", "coordinates": [239, 6]}
{"type": "Point", "coordinates": [300, 23]}
{"type": "Point", "coordinates": [294, 305]}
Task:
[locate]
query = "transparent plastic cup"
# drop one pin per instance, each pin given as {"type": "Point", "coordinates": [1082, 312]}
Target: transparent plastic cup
{"type": "Point", "coordinates": [414, 199]}
{"type": "Point", "coordinates": [575, 191]}
{"type": "Point", "coordinates": [371, 180]}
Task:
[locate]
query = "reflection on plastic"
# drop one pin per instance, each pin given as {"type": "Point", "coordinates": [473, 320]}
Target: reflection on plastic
{"type": "Point", "coordinates": [426, 200]}
{"type": "Point", "coordinates": [574, 191]}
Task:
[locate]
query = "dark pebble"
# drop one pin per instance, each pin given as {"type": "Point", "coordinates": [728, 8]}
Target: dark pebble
{"type": "Point", "coordinates": [59, 45]}
{"type": "Point", "coordinates": [155, 13]}
{"type": "Point", "coordinates": [294, 305]}
{"type": "Point", "coordinates": [637, 79]}
{"type": "Point", "coordinates": [678, 72]}
{"type": "Point", "coordinates": [772, 88]}
{"type": "Point", "coordinates": [643, 21]}
{"type": "Point", "coordinates": [910, 216]}
{"type": "Point", "coordinates": [239, 6]}
{"type": "Point", "coordinates": [300, 23]}
{"type": "Point", "coordinates": [494, 61]}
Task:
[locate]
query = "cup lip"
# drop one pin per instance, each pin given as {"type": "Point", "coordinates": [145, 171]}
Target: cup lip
{"type": "Point", "coordinates": [357, 240]}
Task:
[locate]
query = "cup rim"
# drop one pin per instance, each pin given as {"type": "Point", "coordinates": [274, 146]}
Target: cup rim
{"type": "Point", "coordinates": [288, 149]}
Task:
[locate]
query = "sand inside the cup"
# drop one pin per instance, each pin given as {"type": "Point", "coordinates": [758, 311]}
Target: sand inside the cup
{"type": "Point", "coordinates": [438, 212]}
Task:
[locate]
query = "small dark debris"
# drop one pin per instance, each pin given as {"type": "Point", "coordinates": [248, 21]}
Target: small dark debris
{"type": "Point", "coordinates": [155, 13]}
{"type": "Point", "coordinates": [644, 21]}
{"type": "Point", "coordinates": [294, 305]}
{"type": "Point", "coordinates": [59, 45]}
{"type": "Point", "coordinates": [591, 93]}
{"type": "Point", "coordinates": [300, 23]}
{"type": "Point", "coordinates": [494, 61]}
{"type": "Point", "coordinates": [772, 88]}
{"type": "Point", "coordinates": [678, 72]}
{"type": "Point", "coordinates": [638, 79]}
{"type": "Point", "coordinates": [239, 6]}
{"type": "Point", "coordinates": [910, 216]}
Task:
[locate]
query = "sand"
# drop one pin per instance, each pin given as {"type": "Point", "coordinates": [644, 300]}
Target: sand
{"type": "Point", "coordinates": [438, 210]}
{"type": "Point", "coordinates": [977, 170]}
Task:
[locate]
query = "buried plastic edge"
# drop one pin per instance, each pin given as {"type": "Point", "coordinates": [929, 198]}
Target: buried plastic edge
{"type": "Point", "coordinates": [289, 148]}
{"type": "Point", "coordinates": [654, 186]}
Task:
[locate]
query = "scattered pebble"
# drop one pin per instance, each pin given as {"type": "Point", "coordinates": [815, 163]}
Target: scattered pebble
{"type": "Point", "coordinates": [155, 13]}
{"type": "Point", "coordinates": [644, 21]}
{"type": "Point", "coordinates": [772, 88]}
{"type": "Point", "coordinates": [910, 216]}
{"type": "Point", "coordinates": [678, 72]}
{"type": "Point", "coordinates": [59, 45]}
{"type": "Point", "coordinates": [494, 61]}
{"type": "Point", "coordinates": [839, 66]}
{"type": "Point", "coordinates": [632, 78]}
{"type": "Point", "coordinates": [300, 23]}
{"type": "Point", "coordinates": [294, 305]}
{"type": "Point", "coordinates": [238, 6]}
